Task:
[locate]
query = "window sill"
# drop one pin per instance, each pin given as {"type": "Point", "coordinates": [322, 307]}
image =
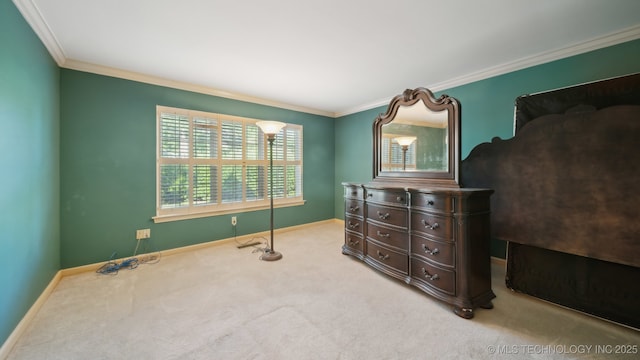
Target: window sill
{"type": "Point", "coordinates": [176, 217]}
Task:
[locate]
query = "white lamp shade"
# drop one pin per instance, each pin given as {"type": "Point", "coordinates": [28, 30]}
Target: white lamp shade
{"type": "Point", "coordinates": [405, 140]}
{"type": "Point", "coordinates": [270, 127]}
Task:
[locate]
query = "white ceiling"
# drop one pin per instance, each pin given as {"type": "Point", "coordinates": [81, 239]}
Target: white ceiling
{"type": "Point", "coordinates": [329, 57]}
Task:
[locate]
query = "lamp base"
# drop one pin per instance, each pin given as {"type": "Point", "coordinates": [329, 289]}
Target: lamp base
{"type": "Point", "coordinates": [271, 256]}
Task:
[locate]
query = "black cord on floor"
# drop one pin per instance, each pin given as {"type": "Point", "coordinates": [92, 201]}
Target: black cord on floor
{"type": "Point", "coordinates": [112, 267]}
{"type": "Point", "coordinates": [249, 243]}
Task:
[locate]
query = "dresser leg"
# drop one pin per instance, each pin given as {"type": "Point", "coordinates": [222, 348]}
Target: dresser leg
{"type": "Point", "coordinates": [466, 313]}
{"type": "Point", "coordinates": [488, 305]}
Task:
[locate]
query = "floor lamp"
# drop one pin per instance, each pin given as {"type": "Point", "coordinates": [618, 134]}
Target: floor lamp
{"type": "Point", "coordinates": [271, 128]}
{"type": "Point", "coordinates": [405, 142]}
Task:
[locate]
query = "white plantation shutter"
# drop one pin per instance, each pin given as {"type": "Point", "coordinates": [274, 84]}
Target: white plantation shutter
{"type": "Point", "coordinates": [294, 163]}
{"type": "Point", "coordinates": [211, 163]}
{"type": "Point", "coordinates": [205, 138]}
{"type": "Point", "coordinates": [174, 176]}
{"type": "Point", "coordinates": [278, 181]}
{"type": "Point", "coordinates": [205, 181]}
{"type": "Point", "coordinates": [231, 151]}
{"type": "Point", "coordinates": [204, 167]}
{"type": "Point", "coordinates": [294, 181]}
{"type": "Point", "coordinates": [232, 140]}
{"type": "Point", "coordinates": [256, 169]}
{"type": "Point", "coordinates": [174, 185]}
{"type": "Point", "coordinates": [256, 179]}
{"type": "Point", "coordinates": [175, 136]}
{"type": "Point", "coordinates": [254, 143]}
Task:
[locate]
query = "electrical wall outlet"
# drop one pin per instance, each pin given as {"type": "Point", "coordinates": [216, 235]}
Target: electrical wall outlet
{"type": "Point", "coordinates": [234, 221]}
{"type": "Point", "coordinates": [143, 234]}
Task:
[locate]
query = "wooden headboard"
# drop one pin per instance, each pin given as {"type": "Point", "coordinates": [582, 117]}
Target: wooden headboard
{"type": "Point", "coordinates": [568, 182]}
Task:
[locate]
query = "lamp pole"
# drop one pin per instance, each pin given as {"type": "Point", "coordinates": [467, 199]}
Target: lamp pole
{"type": "Point", "coordinates": [404, 142]}
{"type": "Point", "coordinates": [272, 254]}
{"type": "Point", "coordinates": [404, 156]}
{"type": "Point", "coordinates": [271, 128]}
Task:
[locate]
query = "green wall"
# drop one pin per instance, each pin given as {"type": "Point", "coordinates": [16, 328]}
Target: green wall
{"type": "Point", "coordinates": [29, 159]}
{"type": "Point", "coordinates": [108, 155]}
{"type": "Point", "coordinates": [487, 109]}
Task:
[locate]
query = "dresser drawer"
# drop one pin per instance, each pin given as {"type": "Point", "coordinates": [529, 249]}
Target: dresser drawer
{"type": "Point", "coordinates": [353, 207]}
{"type": "Point", "coordinates": [353, 191]}
{"type": "Point", "coordinates": [396, 238]}
{"type": "Point", "coordinates": [393, 259]}
{"type": "Point", "coordinates": [387, 196]}
{"type": "Point", "coordinates": [353, 224]}
{"type": "Point", "coordinates": [388, 215]}
{"type": "Point", "coordinates": [439, 252]}
{"type": "Point", "coordinates": [441, 279]}
{"type": "Point", "coordinates": [434, 225]}
{"type": "Point", "coordinates": [354, 241]}
{"type": "Point", "coordinates": [432, 202]}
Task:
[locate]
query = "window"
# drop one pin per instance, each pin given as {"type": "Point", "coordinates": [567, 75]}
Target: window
{"type": "Point", "coordinates": [393, 156]}
{"type": "Point", "coordinates": [210, 163]}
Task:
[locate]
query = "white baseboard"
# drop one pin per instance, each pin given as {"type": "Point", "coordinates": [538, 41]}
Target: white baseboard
{"type": "Point", "coordinates": [26, 319]}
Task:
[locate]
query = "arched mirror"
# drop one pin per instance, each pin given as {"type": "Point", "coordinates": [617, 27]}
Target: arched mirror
{"type": "Point", "coordinates": [417, 140]}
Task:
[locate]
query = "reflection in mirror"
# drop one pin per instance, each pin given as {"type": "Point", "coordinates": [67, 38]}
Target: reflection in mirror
{"type": "Point", "coordinates": [398, 152]}
{"type": "Point", "coordinates": [426, 136]}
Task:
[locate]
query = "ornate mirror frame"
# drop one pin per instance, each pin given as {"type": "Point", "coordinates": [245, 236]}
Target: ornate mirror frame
{"type": "Point", "coordinates": [448, 178]}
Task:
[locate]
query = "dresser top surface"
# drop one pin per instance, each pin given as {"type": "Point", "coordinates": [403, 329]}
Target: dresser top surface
{"type": "Point", "coordinates": [411, 188]}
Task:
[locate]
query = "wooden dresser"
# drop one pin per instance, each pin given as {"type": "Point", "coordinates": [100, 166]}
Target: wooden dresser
{"type": "Point", "coordinates": [415, 221]}
{"type": "Point", "coordinates": [437, 240]}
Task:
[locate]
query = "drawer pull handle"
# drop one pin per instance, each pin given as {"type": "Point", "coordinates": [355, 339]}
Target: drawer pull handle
{"type": "Point", "coordinates": [400, 199]}
{"type": "Point", "coordinates": [383, 235]}
{"type": "Point", "coordinates": [430, 202]}
{"type": "Point", "coordinates": [354, 193]}
{"type": "Point", "coordinates": [370, 194]}
{"type": "Point", "coordinates": [382, 256]}
{"type": "Point", "coordinates": [429, 276]}
{"type": "Point", "coordinates": [352, 225]}
{"type": "Point", "coordinates": [429, 251]}
{"type": "Point", "coordinates": [354, 243]}
{"type": "Point", "coordinates": [430, 227]}
{"type": "Point", "coordinates": [354, 209]}
{"type": "Point", "coordinates": [383, 216]}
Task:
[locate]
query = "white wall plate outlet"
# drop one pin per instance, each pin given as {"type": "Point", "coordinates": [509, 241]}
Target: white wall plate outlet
{"type": "Point", "coordinates": [143, 234]}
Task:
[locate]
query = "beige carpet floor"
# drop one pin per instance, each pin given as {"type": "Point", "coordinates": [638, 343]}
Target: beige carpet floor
{"type": "Point", "coordinates": [222, 302]}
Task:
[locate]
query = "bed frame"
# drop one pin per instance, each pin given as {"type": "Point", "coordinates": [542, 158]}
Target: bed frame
{"type": "Point", "coordinates": [566, 196]}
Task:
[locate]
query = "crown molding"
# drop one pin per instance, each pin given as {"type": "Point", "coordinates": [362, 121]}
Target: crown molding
{"type": "Point", "coordinates": [34, 18]}
{"type": "Point", "coordinates": [628, 34]}
{"type": "Point", "coordinates": [154, 80]}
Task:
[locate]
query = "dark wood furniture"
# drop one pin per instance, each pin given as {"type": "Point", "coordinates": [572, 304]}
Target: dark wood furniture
{"type": "Point", "coordinates": [566, 197]}
{"type": "Point", "coordinates": [418, 225]}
